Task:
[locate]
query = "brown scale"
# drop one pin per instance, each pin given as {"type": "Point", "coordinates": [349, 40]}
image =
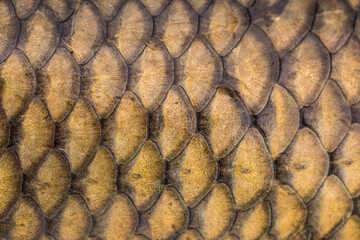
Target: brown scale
{"type": "Point", "coordinates": [125, 130]}
{"type": "Point", "coordinates": [49, 184]}
{"type": "Point", "coordinates": [333, 23]}
{"type": "Point", "coordinates": [24, 8]}
{"type": "Point", "coordinates": [175, 117]}
{"type": "Point", "coordinates": [97, 182]}
{"type": "Point", "coordinates": [25, 221]}
{"type": "Point", "coordinates": [39, 36]}
{"type": "Point", "coordinates": [215, 213]}
{"type": "Point", "coordinates": [143, 177]}
{"type": "Point", "coordinates": [73, 221]}
{"type": "Point", "coordinates": [9, 29]}
{"type": "Point", "coordinates": [279, 120]}
{"type": "Point", "coordinates": [136, 22]}
{"type": "Point", "coordinates": [248, 170]}
{"type": "Point", "coordinates": [357, 26]}
{"type": "Point", "coordinates": [59, 84]}
{"type": "Point", "coordinates": [252, 68]}
{"type": "Point", "coordinates": [79, 135]}
{"type": "Point", "coordinates": [155, 7]}
{"type": "Point", "coordinates": [178, 21]}
{"type": "Point", "coordinates": [33, 135]}
{"type": "Point", "coordinates": [346, 69]}
{"type": "Point", "coordinates": [105, 72]}
{"type": "Point", "coordinates": [330, 208]}
{"type": "Point", "coordinates": [152, 74]}
{"type": "Point", "coordinates": [118, 221]}
{"type": "Point", "coordinates": [286, 22]}
{"type": "Point", "coordinates": [179, 119]}
{"type": "Point", "coordinates": [199, 82]}
{"type": "Point", "coordinates": [346, 160]}
{"type": "Point", "coordinates": [80, 39]}
{"type": "Point", "coordinates": [62, 8]}
{"type": "Point", "coordinates": [303, 73]}
{"type": "Point", "coordinates": [194, 171]}
{"type": "Point", "coordinates": [253, 223]}
{"type": "Point", "coordinates": [18, 82]}
{"type": "Point", "coordinates": [289, 211]}
{"type": "Point", "coordinates": [166, 218]}
{"type": "Point", "coordinates": [10, 179]}
{"type": "Point", "coordinates": [223, 24]}
{"type": "Point", "coordinates": [224, 121]}
{"type": "Point", "coordinates": [297, 168]}
{"type": "Point", "coordinates": [329, 116]}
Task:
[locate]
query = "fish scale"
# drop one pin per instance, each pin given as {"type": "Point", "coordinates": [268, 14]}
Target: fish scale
{"type": "Point", "coordinates": [179, 119]}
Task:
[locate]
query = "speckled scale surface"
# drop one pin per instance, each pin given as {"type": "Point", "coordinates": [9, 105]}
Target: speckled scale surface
{"type": "Point", "coordinates": [179, 119]}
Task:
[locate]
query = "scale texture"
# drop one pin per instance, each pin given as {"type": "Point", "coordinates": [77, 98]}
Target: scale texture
{"type": "Point", "coordinates": [179, 119]}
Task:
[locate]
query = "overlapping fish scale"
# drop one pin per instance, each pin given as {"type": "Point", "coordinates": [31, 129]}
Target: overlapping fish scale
{"type": "Point", "coordinates": [24, 8]}
{"type": "Point", "coordinates": [50, 183]}
{"type": "Point", "coordinates": [152, 74]}
{"type": "Point", "coordinates": [357, 26]}
{"type": "Point", "coordinates": [279, 120]}
{"type": "Point", "coordinates": [252, 68]}
{"type": "Point", "coordinates": [9, 29]}
{"type": "Point", "coordinates": [175, 117]}
{"type": "Point", "coordinates": [248, 170]}
{"type": "Point", "coordinates": [79, 135]}
{"type": "Point", "coordinates": [104, 79]}
{"type": "Point", "coordinates": [285, 22]}
{"type": "Point", "coordinates": [59, 84]}
{"type": "Point", "coordinates": [168, 216]}
{"type": "Point", "coordinates": [346, 160]}
{"type": "Point", "coordinates": [108, 8]}
{"type": "Point", "coordinates": [333, 23]}
{"type": "Point", "coordinates": [126, 129]}
{"type": "Point", "coordinates": [84, 32]}
{"type": "Point", "coordinates": [39, 36]}
{"type": "Point", "coordinates": [330, 208]}
{"type": "Point", "coordinates": [170, 188]}
{"type": "Point", "coordinates": [215, 213]}
{"type": "Point", "coordinates": [176, 27]}
{"type": "Point", "coordinates": [62, 8]}
{"type": "Point", "coordinates": [253, 223]}
{"type": "Point", "coordinates": [97, 182]}
{"type": "Point", "coordinates": [33, 135]}
{"type": "Point", "coordinates": [10, 181]}
{"type": "Point", "coordinates": [18, 81]}
{"type": "Point", "coordinates": [289, 212]}
{"type": "Point", "coordinates": [223, 24]}
{"type": "Point", "coordinates": [199, 5]}
{"type": "Point", "coordinates": [194, 171]}
{"type": "Point", "coordinates": [73, 221]}
{"type": "Point", "coordinates": [346, 69]}
{"type": "Point", "coordinates": [199, 82]}
{"type": "Point", "coordinates": [26, 221]}
{"type": "Point", "coordinates": [119, 220]}
{"type": "Point", "coordinates": [297, 168]}
{"type": "Point", "coordinates": [143, 177]}
{"type": "Point", "coordinates": [329, 116]}
{"type": "Point", "coordinates": [304, 73]}
{"type": "Point", "coordinates": [350, 230]}
{"type": "Point", "coordinates": [155, 7]}
{"type": "Point", "coordinates": [130, 29]}
{"type": "Point", "coordinates": [224, 121]}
